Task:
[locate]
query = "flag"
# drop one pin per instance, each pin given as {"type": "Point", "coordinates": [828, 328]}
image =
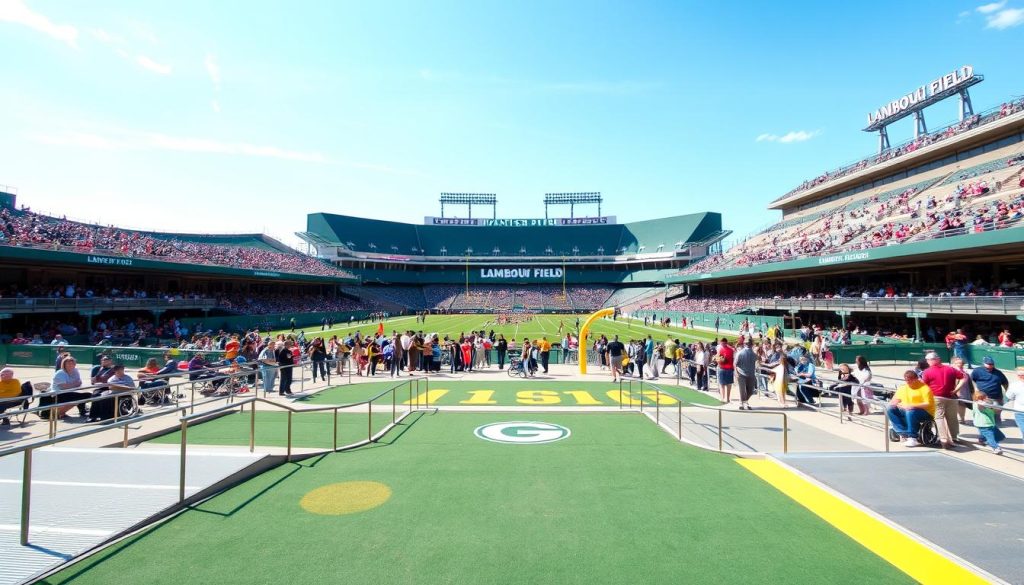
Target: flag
{"type": "Point", "coordinates": [380, 329]}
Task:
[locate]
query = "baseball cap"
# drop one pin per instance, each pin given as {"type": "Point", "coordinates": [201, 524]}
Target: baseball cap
{"type": "Point", "coordinates": [988, 361]}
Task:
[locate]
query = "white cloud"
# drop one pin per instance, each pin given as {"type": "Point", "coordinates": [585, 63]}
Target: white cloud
{"type": "Point", "coordinates": [213, 69]}
{"type": "Point", "coordinates": [1005, 19]}
{"type": "Point", "coordinates": [17, 12]}
{"type": "Point", "coordinates": [105, 37]}
{"type": "Point", "coordinates": [215, 105]}
{"type": "Point", "coordinates": [791, 136]}
{"type": "Point", "coordinates": [989, 8]}
{"type": "Point", "coordinates": [152, 65]}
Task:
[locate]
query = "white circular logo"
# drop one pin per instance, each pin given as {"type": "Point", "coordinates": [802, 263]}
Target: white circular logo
{"type": "Point", "coordinates": [522, 432]}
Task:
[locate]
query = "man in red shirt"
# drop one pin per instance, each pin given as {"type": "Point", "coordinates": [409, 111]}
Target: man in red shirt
{"type": "Point", "coordinates": [726, 373]}
{"type": "Point", "coordinates": [942, 380]}
{"type": "Point", "coordinates": [1005, 339]}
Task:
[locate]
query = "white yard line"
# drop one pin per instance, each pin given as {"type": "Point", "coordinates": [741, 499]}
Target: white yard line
{"type": "Point", "coordinates": [126, 486]}
{"type": "Point", "coordinates": [55, 530]}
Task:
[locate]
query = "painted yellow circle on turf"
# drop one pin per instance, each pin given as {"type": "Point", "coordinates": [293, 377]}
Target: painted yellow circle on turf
{"type": "Point", "coordinates": [347, 497]}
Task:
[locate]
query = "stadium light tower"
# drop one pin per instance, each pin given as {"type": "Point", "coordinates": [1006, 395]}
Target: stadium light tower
{"type": "Point", "coordinates": [572, 200]}
{"type": "Point", "coordinates": [469, 199]}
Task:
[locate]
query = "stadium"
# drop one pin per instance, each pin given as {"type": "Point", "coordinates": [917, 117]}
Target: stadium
{"type": "Point", "coordinates": [553, 396]}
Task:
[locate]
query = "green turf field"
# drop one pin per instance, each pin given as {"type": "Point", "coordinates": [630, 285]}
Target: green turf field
{"type": "Point", "coordinates": [540, 326]}
{"type": "Point", "coordinates": [315, 429]}
{"type": "Point", "coordinates": [512, 392]}
{"type": "Point", "coordinates": [617, 501]}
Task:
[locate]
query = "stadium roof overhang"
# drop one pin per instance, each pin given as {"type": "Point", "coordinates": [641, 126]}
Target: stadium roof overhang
{"type": "Point", "coordinates": [967, 140]}
{"type": "Point", "coordinates": [1000, 246]}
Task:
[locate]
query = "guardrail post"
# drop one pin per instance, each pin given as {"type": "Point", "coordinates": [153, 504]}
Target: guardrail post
{"type": "Point", "coordinates": [289, 456]}
{"type": "Point", "coordinates": [641, 396]}
{"type": "Point", "coordinates": [26, 496]}
{"type": "Point", "coordinates": [117, 406]}
{"type": "Point", "coordinates": [252, 427]}
{"type": "Point", "coordinates": [885, 429]}
{"type": "Point", "coordinates": [369, 421]}
{"type": "Point", "coordinates": [719, 430]}
{"type": "Point", "coordinates": [335, 428]}
{"type": "Point", "coordinates": [680, 420]}
{"type": "Point", "coordinates": [785, 433]}
{"type": "Point", "coordinates": [53, 422]}
{"type": "Point", "coordinates": [394, 405]}
{"type": "Point", "coordinates": [181, 478]}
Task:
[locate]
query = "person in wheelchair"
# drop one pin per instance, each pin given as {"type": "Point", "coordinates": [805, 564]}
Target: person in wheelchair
{"type": "Point", "coordinates": [199, 370]}
{"type": "Point", "coordinates": [911, 407]}
{"type": "Point", "coordinates": [118, 390]}
{"type": "Point", "coordinates": [153, 381]}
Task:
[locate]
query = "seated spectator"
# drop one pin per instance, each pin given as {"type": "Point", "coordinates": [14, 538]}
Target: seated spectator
{"type": "Point", "coordinates": [911, 406]}
{"type": "Point", "coordinates": [10, 388]}
{"type": "Point", "coordinates": [152, 377]}
{"type": "Point", "coordinates": [199, 369]}
{"type": "Point", "coordinates": [119, 383]}
{"type": "Point", "coordinates": [64, 381]}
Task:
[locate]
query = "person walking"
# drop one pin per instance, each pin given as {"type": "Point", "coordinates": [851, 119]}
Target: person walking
{"type": "Point", "coordinates": [942, 379]}
{"type": "Point", "coordinates": [724, 361]}
{"type": "Point", "coordinates": [992, 382]}
{"type": "Point", "coordinates": [615, 352]}
{"type": "Point", "coordinates": [502, 348]}
{"type": "Point", "coordinates": [862, 371]}
{"type": "Point", "coordinates": [286, 364]}
{"type": "Point", "coordinates": [745, 367]}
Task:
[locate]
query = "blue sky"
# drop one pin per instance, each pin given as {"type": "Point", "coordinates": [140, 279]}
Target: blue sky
{"type": "Point", "coordinates": [245, 116]}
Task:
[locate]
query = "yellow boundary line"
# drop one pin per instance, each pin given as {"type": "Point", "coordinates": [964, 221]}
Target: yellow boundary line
{"type": "Point", "coordinates": [914, 558]}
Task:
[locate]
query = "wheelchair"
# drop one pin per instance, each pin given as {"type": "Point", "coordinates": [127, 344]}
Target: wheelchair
{"type": "Point", "coordinates": [927, 434]}
{"type": "Point", "coordinates": [516, 368]}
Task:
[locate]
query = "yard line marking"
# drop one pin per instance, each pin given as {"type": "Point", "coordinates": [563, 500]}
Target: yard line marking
{"type": "Point", "coordinates": [130, 486]}
{"type": "Point", "coordinates": [57, 530]}
{"type": "Point", "coordinates": [907, 554]}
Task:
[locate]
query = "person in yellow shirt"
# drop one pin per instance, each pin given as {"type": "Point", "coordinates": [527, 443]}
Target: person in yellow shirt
{"type": "Point", "coordinates": [912, 406]}
{"type": "Point", "coordinates": [10, 387]}
{"type": "Point", "coordinates": [544, 347]}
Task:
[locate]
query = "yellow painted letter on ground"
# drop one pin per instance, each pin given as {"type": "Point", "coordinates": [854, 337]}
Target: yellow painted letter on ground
{"type": "Point", "coordinates": [426, 398]}
{"type": "Point", "coordinates": [538, 397]}
{"type": "Point", "coordinates": [480, 397]}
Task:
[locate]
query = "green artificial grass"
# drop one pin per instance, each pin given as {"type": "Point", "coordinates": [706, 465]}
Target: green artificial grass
{"type": "Point", "coordinates": [618, 501]}
{"type": "Point", "coordinates": [314, 429]}
{"type": "Point", "coordinates": [514, 392]}
{"type": "Point", "coordinates": [309, 430]}
{"type": "Point", "coordinates": [540, 326]}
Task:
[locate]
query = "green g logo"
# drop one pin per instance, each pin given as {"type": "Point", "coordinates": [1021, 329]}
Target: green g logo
{"type": "Point", "coordinates": [522, 432]}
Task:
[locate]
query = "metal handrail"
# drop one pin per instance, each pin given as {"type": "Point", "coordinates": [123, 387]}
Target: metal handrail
{"type": "Point", "coordinates": [185, 420]}
{"type": "Point", "coordinates": [680, 401]}
{"type": "Point", "coordinates": [125, 422]}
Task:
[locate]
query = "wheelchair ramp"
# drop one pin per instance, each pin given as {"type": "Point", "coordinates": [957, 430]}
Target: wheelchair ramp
{"type": "Point", "coordinates": [84, 497]}
{"type": "Point", "coordinates": [968, 510]}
